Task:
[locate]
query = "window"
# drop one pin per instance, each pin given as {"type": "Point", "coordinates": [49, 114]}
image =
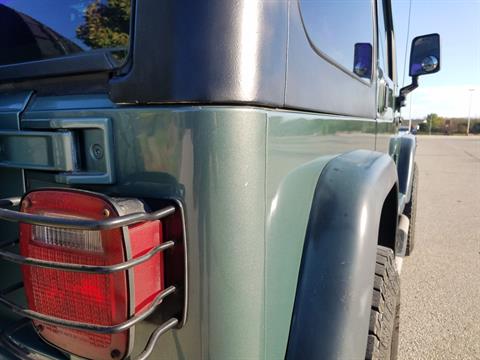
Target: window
{"type": "Point", "coordinates": [36, 30]}
{"type": "Point", "coordinates": [337, 27]}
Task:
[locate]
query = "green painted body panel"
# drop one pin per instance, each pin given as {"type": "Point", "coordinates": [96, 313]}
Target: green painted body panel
{"type": "Point", "coordinates": [214, 161]}
{"type": "Point", "coordinates": [247, 178]}
{"type": "Point", "coordinates": [299, 146]}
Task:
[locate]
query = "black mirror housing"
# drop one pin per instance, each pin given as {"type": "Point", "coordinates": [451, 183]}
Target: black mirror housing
{"type": "Point", "coordinates": [424, 59]}
{"type": "Point", "coordinates": [425, 55]}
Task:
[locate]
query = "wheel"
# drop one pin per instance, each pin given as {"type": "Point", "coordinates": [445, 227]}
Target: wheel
{"type": "Point", "coordinates": [411, 212]}
{"type": "Point", "coordinates": [383, 330]}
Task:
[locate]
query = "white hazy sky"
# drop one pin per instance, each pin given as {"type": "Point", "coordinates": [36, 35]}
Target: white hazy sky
{"type": "Point", "coordinates": [446, 100]}
{"type": "Point", "coordinates": [458, 23]}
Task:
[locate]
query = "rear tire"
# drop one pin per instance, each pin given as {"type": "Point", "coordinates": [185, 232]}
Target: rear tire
{"type": "Point", "coordinates": [383, 332]}
{"type": "Point", "coordinates": [411, 212]}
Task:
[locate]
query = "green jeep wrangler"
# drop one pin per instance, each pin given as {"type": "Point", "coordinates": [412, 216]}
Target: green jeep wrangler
{"type": "Point", "coordinates": [203, 179]}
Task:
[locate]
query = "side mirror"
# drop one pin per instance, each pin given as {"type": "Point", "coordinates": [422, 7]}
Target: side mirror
{"type": "Point", "coordinates": [362, 60]}
{"type": "Point", "coordinates": [424, 59]}
{"type": "Point", "coordinates": [425, 55]}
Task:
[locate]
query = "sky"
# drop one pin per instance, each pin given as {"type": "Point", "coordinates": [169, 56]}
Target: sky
{"type": "Point", "coordinates": [445, 93]}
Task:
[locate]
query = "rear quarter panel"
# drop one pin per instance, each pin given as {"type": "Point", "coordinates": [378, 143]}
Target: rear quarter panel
{"type": "Point", "coordinates": [246, 177]}
{"type": "Point", "coordinates": [299, 145]}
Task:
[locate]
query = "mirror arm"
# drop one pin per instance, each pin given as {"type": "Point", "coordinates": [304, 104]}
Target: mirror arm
{"type": "Point", "coordinates": [400, 100]}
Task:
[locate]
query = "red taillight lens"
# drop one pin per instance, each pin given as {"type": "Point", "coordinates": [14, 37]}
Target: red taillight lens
{"type": "Point", "coordinates": [101, 299]}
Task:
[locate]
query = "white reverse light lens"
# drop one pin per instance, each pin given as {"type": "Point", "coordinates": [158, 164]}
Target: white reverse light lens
{"type": "Point", "coordinates": [85, 240]}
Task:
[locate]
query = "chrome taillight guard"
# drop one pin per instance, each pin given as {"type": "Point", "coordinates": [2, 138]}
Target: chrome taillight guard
{"type": "Point", "coordinates": [94, 269]}
{"type": "Point", "coordinates": [101, 329]}
{"type": "Point", "coordinates": [68, 223]}
{"type": "Point", "coordinates": [105, 224]}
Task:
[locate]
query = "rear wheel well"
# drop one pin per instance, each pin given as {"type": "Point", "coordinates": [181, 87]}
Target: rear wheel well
{"type": "Point", "coordinates": [387, 229]}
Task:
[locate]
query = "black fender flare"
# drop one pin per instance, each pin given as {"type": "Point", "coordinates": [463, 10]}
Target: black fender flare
{"type": "Point", "coordinates": [334, 290]}
{"type": "Point", "coordinates": [402, 149]}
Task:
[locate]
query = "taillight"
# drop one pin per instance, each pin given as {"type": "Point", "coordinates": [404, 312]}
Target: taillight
{"type": "Point", "coordinates": [97, 298]}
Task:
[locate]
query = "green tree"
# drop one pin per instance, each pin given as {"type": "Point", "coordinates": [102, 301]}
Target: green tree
{"type": "Point", "coordinates": [435, 123]}
{"type": "Point", "coordinates": [423, 127]}
{"type": "Point", "coordinates": [106, 24]}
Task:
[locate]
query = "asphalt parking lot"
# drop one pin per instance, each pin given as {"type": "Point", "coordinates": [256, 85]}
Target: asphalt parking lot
{"type": "Point", "coordinates": [440, 314]}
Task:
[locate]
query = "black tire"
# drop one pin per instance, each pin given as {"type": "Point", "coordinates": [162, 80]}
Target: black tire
{"type": "Point", "coordinates": [411, 212]}
{"type": "Point", "coordinates": [383, 332]}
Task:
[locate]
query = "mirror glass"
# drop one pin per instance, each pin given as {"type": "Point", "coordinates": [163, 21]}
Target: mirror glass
{"type": "Point", "coordinates": [425, 55]}
{"type": "Point", "coordinates": [362, 60]}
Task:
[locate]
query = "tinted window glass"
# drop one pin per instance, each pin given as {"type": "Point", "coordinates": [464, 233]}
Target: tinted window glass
{"type": "Point", "coordinates": [336, 26]}
{"type": "Point", "coordinates": [42, 29]}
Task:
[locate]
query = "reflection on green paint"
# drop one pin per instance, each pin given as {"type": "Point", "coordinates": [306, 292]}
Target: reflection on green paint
{"type": "Point", "coordinates": [316, 125]}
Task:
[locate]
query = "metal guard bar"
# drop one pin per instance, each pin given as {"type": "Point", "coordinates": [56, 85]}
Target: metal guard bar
{"type": "Point", "coordinates": [27, 354]}
{"type": "Point", "coordinates": [104, 224]}
{"type": "Point", "coordinates": [112, 223]}
{"type": "Point", "coordinates": [94, 269]}
{"type": "Point", "coordinates": [152, 340]}
{"type": "Point", "coordinates": [101, 329]}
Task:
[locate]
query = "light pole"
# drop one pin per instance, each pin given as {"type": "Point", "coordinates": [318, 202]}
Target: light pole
{"type": "Point", "coordinates": [469, 110]}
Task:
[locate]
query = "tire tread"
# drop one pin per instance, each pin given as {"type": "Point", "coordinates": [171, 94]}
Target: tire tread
{"type": "Point", "coordinates": [383, 328]}
{"type": "Point", "coordinates": [411, 212]}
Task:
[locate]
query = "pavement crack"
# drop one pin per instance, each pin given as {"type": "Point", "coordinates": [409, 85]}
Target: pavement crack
{"type": "Point", "coordinates": [471, 155]}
